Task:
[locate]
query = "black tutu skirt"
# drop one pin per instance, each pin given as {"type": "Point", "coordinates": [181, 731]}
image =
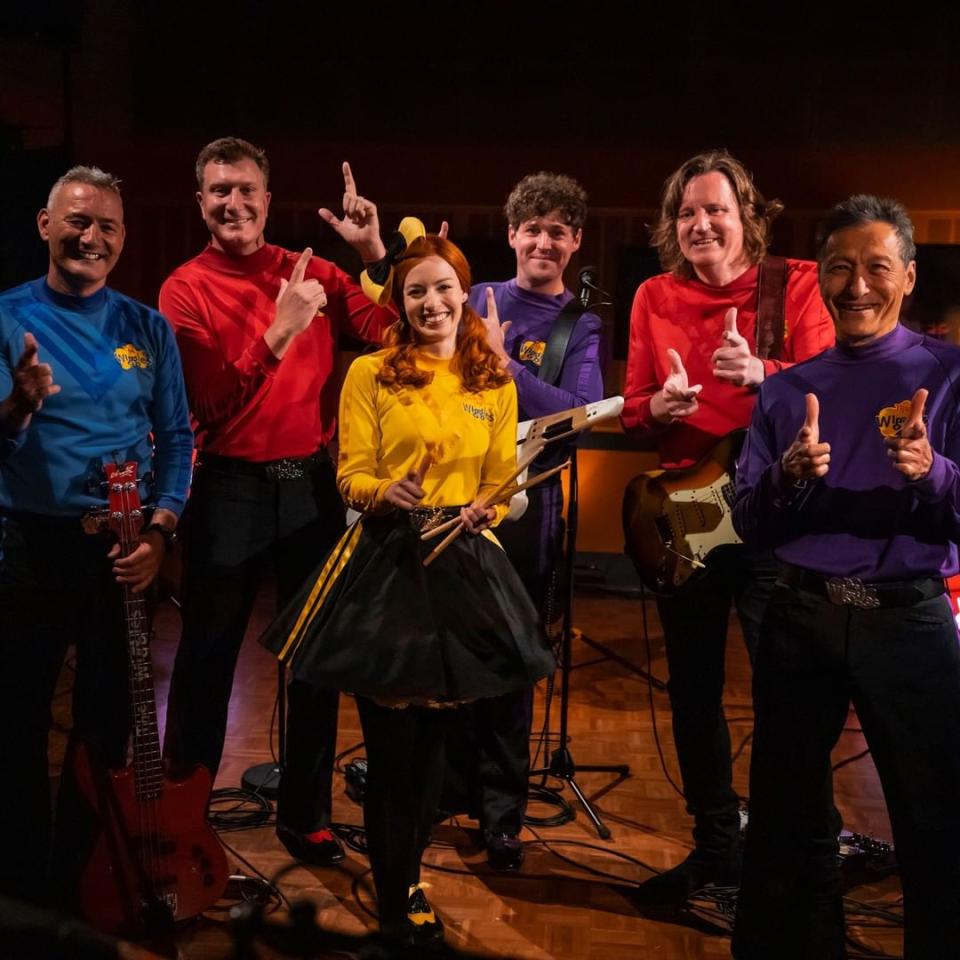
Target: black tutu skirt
{"type": "Point", "coordinates": [374, 621]}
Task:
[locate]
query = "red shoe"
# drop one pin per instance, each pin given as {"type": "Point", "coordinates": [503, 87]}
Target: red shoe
{"type": "Point", "coordinates": [320, 848]}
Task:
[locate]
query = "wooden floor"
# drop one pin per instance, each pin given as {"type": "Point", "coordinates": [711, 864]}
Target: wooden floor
{"type": "Point", "coordinates": [571, 898]}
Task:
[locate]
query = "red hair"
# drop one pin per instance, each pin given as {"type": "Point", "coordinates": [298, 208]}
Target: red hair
{"type": "Point", "coordinates": [474, 362]}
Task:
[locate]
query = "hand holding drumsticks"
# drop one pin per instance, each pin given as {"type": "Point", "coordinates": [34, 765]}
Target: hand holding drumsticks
{"type": "Point", "coordinates": [502, 494]}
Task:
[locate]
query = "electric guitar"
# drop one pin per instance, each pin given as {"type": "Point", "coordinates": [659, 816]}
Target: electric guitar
{"type": "Point", "coordinates": [672, 519]}
{"type": "Point", "coordinates": [156, 859]}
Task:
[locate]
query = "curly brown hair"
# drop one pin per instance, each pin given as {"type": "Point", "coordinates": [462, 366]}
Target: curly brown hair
{"type": "Point", "coordinates": [474, 362]}
{"type": "Point", "coordinates": [538, 194]}
{"type": "Point", "coordinates": [756, 213]}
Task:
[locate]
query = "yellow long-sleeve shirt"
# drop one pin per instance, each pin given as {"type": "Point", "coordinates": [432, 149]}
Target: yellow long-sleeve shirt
{"type": "Point", "coordinates": [386, 431]}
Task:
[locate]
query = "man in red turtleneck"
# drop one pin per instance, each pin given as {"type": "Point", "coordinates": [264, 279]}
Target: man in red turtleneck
{"type": "Point", "coordinates": [692, 375]}
{"type": "Point", "coordinates": [257, 326]}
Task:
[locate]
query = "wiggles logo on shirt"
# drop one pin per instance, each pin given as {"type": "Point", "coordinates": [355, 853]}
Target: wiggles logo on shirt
{"type": "Point", "coordinates": [478, 413]}
{"type": "Point", "coordinates": [890, 420]}
{"type": "Point", "coordinates": [532, 350]}
{"type": "Point", "coordinates": [129, 356]}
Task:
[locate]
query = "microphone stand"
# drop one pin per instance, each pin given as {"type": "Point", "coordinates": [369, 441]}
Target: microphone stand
{"type": "Point", "coordinates": [562, 766]}
{"type": "Point", "coordinates": [263, 779]}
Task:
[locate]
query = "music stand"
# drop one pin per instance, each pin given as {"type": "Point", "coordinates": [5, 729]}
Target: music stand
{"type": "Point", "coordinates": [562, 765]}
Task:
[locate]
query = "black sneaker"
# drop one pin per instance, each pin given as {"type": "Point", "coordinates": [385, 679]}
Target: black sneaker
{"type": "Point", "coordinates": [504, 851]}
{"type": "Point", "coordinates": [678, 884]}
{"type": "Point", "coordinates": [423, 925]}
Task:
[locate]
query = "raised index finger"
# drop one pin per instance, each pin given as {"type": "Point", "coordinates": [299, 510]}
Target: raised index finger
{"type": "Point", "coordinates": [349, 184]}
{"type": "Point", "coordinates": [301, 266]}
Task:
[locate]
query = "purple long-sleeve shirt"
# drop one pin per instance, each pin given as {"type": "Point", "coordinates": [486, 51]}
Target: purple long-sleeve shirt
{"type": "Point", "coordinates": [863, 518]}
{"type": "Point", "coordinates": [532, 316]}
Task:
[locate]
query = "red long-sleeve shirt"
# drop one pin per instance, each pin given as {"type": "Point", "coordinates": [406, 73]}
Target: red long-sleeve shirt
{"type": "Point", "coordinates": [687, 315]}
{"type": "Point", "coordinates": [245, 402]}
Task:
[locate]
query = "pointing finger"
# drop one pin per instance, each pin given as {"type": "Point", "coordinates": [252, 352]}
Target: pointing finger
{"type": "Point", "coordinates": [301, 266]}
{"type": "Point", "coordinates": [349, 184]}
{"type": "Point", "coordinates": [444, 230]}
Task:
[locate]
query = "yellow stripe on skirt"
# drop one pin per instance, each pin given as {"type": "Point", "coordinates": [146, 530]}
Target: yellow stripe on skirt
{"type": "Point", "coordinates": [322, 586]}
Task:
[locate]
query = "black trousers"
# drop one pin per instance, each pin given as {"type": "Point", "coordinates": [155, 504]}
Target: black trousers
{"type": "Point", "coordinates": [55, 589]}
{"type": "Point", "coordinates": [405, 756]}
{"type": "Point", "coordinates": [236, 521]}
{"type": "Point", "coordinates": [901, 668]}
{"type": "Point", "coordinates": [488, 749]}
{"type": "Point", "coordinates": [695, 622]}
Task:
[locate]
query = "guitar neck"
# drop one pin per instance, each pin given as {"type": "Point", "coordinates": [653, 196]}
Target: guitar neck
{"type": "Point", "coordinates": [147, 760]}
{"type": "Point", "coordinates": [126, 518]}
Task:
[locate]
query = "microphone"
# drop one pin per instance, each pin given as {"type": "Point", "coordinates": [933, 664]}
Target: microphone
{"type": "Point", "coordinates": [587, 279]}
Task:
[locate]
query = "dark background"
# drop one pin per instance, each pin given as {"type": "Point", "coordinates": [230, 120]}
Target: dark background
{"type": "Point", "coordinates": [442, 107]}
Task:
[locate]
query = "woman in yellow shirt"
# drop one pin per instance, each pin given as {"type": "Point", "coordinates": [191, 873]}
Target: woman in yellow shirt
{"type": "Point", "coordinates": [427, 429]}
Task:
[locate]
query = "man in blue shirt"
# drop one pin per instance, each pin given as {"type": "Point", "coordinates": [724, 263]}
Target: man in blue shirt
{"type": "Point", "coordinates": [87, 376]}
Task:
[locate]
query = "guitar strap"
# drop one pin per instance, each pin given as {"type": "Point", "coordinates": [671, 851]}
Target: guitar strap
{"type": "Point", "coordinates": [557, 342]}
{"type": "Point", "coordinates": [771, 307]}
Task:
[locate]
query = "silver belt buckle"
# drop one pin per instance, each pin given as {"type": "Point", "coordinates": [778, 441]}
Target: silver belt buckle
{"type": "Point", "coordinates": [852, 592]}
{"type": "Point", "coordinates": [426, 518]}
{"type": "Point", "coordinates": [285, 470]}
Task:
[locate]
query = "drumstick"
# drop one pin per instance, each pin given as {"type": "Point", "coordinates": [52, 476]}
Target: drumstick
{"type": "Point", "coordinates": [491, 500]}
{"type": "Point", "coordinates": [525, 462]}
{"type": "Point", "coordinates": [539, 478]}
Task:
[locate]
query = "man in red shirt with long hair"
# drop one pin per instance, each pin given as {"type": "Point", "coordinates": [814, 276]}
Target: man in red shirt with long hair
{"type": "Point", "coordinates": [692, 375]}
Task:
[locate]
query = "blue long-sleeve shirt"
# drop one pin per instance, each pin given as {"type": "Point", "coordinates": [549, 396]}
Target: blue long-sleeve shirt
{"type": "Point", "coordinates": [863, 518]}
{"type": "Point", "coordinates": [121, 398]}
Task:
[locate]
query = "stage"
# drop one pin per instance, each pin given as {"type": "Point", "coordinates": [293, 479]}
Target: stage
{"type": "Point", "coordinates": [572, 897]}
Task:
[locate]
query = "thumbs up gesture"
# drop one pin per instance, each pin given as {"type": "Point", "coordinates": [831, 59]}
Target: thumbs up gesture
{"type": "Point", "coordinates": [733, 361]}
{"type": "Point", "coordinates": [676, 399]}
{"type": "Point", "coordinates": [32, 384]}
{"type": "Point", "coordinates": [408, 492]}
{"type": "Point", "coordinates": [911, 452]}
{"type": "Point", "coordinates": [807, 458]}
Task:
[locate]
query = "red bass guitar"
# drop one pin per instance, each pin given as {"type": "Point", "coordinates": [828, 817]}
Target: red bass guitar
{"type": "Point", "coordinates": [156, 859]}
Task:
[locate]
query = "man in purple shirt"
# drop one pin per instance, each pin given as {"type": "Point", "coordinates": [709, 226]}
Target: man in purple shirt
{"type": "Point", "coordinates": [850, 473]}
{"type": "Point", "coordinates": [545, 214]}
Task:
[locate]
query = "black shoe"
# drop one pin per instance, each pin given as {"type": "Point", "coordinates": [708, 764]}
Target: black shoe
{"type": "Point", "coordinates": [504, 851]}
{"type": "Point", "coordinates": [680, 883]}
{"type": "Point", "coordinates": [320, 848]}
{"type": "Point", "coordinates": [423, 926]}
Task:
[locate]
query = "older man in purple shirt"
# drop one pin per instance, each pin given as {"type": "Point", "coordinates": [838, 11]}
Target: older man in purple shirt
{"type": "Point", "coordinates": [850, 472]}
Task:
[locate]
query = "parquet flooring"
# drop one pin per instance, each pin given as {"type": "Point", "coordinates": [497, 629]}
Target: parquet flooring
{"type": "Point", "coordinates": [571, 898]}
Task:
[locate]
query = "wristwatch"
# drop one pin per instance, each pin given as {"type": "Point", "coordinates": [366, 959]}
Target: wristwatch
{"type": "Point", "coordinates": [169, 535]}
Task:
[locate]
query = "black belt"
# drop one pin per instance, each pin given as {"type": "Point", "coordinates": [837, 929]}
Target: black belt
{"type": "Point", "coordinates": [853, 592]}
{"type": "Point", "coordinates": [287, 468]}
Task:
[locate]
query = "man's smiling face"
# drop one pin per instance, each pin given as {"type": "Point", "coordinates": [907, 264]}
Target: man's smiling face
{"type": "Point", "coordinates": [234, 202]}
{"type": "Point", "coordinates": [863, 281]}
{"type": "Point", "coordinates": [83, 228]}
